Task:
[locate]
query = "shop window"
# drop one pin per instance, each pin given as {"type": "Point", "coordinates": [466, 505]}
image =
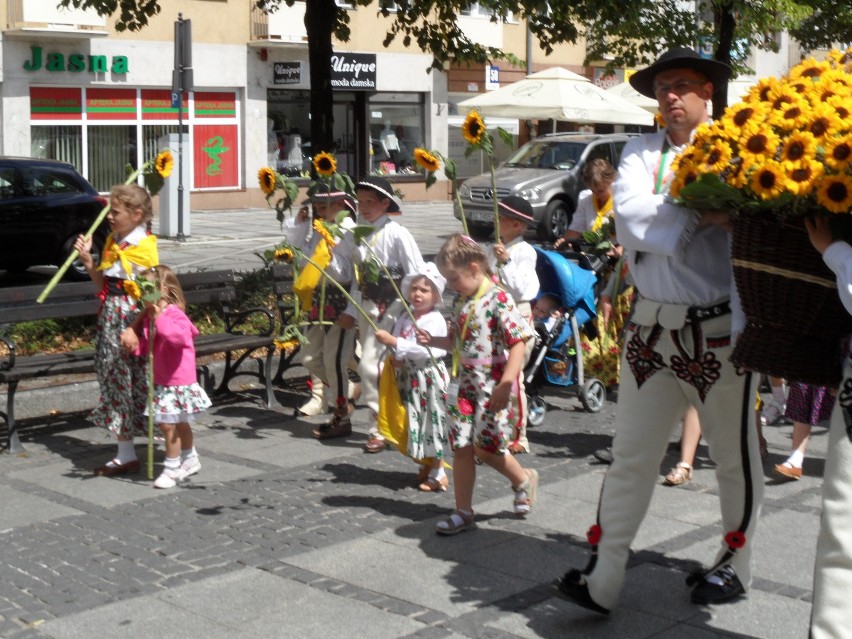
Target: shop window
{"type": "Point", "coordinates": [110, 150]}
{"type": "Point", "coordinates": [63, 143]}
{"type": "Point", "coordinates": [396, 129]}
{"type": "Point", "coordinates": [151, 134]}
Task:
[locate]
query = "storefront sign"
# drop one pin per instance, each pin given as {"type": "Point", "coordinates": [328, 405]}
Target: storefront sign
{"type": "Point", "coordinates": [76, 62]}
{"type": "Point", "coordinates": [216, 156]}
{"type": "Point", "coordinates": [111, 104]}
{"type": "Point", "coordinates": [287, 73]}
{"type": "Point", "coordinates": [48, 103]}
{"type": "Point", "coordinates": [157, 105]}
{"type": "Point", "coordinates": [210, 104]}
{"type": "Point", "coordinates": [353, 71]}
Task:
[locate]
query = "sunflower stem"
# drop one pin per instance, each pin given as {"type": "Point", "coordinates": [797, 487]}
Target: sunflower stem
{"type": "Point", "coordinates": [342, 290]}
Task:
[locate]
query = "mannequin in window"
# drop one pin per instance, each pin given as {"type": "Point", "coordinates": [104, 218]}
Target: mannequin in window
{"type": "Point", "coordinates": [391, 142]}
{"type": "Point", "coordinates": [294, 151]}
{"type": "Point", "coordinates": [271, 143]}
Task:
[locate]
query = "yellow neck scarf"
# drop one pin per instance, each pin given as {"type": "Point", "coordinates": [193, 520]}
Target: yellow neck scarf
{"type": "Point", "coordinates": [310, 275]}
{"type": "Point", "coordinates": [143, 254]}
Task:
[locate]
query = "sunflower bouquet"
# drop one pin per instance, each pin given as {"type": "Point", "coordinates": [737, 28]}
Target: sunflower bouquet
{"type": "Point", "coordinates": [786, 148]}
{"type": "Point", "coordinates": [271, 181]}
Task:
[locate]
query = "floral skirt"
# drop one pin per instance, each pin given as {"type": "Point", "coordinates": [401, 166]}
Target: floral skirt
{"type": "Point", "coordinates": [122, 379]}
{"type": "Point", "coordinates": [602, 355]}
{"type": "Point", "coordinates": [178, 404]}
{"type": "Point", "coordinates": [423, 391]}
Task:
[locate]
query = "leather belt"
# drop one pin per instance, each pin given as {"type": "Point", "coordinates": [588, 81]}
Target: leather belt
{"type": "Point", "coordinates": [703, 313]}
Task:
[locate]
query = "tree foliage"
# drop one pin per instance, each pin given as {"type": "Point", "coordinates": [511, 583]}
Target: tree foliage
{"type": "Point", "coordinates": [620, 33]}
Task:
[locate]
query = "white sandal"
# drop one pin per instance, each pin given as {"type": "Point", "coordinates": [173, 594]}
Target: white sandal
{"type": "Point", "coordinates": [678, 475]}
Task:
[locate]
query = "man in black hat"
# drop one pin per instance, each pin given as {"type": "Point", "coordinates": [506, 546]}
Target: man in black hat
{"type": "Point", "coordinates": [677, 350]}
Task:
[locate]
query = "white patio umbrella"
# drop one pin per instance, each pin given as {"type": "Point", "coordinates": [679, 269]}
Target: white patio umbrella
{"type": "Point", "coordinates": [558, 94]}
{"type": "Point", "coordinates": [627, 92]}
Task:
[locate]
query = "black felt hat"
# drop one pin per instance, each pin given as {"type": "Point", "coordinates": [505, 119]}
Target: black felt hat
{"type": "Point", "coordinates": [717, 73]}
{"type": "Point", "coordinates": [322, 192]}
{"type": "Point", "coordinates": [517, 208]}
{"type": "Point", "coordinates": [381, 186]}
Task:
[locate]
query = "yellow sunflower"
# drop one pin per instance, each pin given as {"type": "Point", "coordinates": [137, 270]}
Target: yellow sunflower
{"type": "Point", "coordinates": [325, 164]}
{"type": "Point", "coordinates": [757, 143]}
{"type": "Point", "coordinates": [286, 344]}
{"type": "Point", "coordinates": [266, 177]}
{"type": "Point", "coordinates": [717, 157]}
{"type": "Point", "coordinates": [473, 128]}
{"type": "Point", "coordinates": [323, 232]}
{"type": "Point", "coordinates": [425, 159]}
{"type": "Point", "coordinates": [799, 145]}
{"type": "Point", "coordinates": [789, 112]}
{"type": "Point", "coordinates": [767, 181]}
{"type": "Point", "coordinates": [823, 121]}
{"type": "Point", "coordinates": [284, 254]}
{"type": "Point", "coordinates": [742, 114]}
{"type": "Point", "coordinates": [132, 289]}
{"type": "Point", "coordinates": [810, 68]}
{"type": "Point", "coordinates": [838, 152]}
{"type": "Point", "coordinates": [164, 163]}
{"type": "Point", "coordinates": [835, 193]}
{"type": "Point", "coordinates": [759, 93]}
{"type": "Point", "coordinates": [840, 104]}
{"type": "Point", "coordinates": [802, 175]}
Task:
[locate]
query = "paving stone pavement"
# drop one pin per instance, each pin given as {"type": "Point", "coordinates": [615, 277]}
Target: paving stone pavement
{"type": "Point", "coordinates": [285, 536]}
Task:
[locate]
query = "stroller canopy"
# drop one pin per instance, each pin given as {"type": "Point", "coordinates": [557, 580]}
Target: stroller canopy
{"type": "Point", "coordinates": [572, 284]}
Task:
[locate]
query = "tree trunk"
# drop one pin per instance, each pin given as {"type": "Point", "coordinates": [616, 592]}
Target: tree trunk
{"type": "Point", "coordinates": [319, 24]}
{"type": "Point", "coordinates": [726, 25]}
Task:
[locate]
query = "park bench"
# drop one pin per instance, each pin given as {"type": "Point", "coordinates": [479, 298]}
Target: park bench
{"type": "Point", "coordinates": [216, 288]}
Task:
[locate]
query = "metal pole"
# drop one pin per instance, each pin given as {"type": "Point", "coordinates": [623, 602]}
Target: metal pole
{"type": "Point", "coordinates": [180, 236]}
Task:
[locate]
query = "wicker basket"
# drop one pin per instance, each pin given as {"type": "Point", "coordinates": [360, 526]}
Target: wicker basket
{"type": "Point", "coordinates": [795, 322]}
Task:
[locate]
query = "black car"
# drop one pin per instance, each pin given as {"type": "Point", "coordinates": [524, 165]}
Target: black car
{"type": "Point", "coordinates": [44, 206]}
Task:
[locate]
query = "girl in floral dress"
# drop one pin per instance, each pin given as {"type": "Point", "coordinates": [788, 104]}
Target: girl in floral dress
{"type": "Point", "coordinates": [487, 336]}
{"type": "Point", "coordinates": [178, 397]}
{"type": "Point", "coordinates": [130, 248]}
{"type": "Point", "coordinates": [422, 383]}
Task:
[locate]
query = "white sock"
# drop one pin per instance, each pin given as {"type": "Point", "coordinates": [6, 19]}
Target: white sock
{"type": "Point", "coordinates": [186, 453]}
{"type": "Point", "coordinates": [171, 463]}
{"type": "Point", "coordinates": [796, 458]}
{"type": "Point", "coordinates": [438, 473]}
{"type": "Point", "coordinates": [126, 452]}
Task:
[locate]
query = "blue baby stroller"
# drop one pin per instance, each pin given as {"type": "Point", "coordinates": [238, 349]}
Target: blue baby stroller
{"type": "Point", "coordinates": [557, 359]}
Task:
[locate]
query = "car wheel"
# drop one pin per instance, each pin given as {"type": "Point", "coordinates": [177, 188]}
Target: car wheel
{"type": "Point", "coordinates": [77, 271]}
{"type": "Point", "coordinates": [557, 216]}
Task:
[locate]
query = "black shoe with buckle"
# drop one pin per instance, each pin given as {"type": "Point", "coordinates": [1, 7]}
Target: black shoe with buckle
{"type": "Point", "coordinates": [573, 587]}
{"type": "Point", "coordinates": [337, 426]}
{"type": "Point", "coordinates": [718, 587]}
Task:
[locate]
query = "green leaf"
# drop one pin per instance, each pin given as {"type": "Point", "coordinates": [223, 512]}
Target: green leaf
{"type": "Point", "coordinates": [430, 179]}
{"type": "Point", "coordinates": [361, 231]}
{"type": "Point", "coordinates": [507, 138]}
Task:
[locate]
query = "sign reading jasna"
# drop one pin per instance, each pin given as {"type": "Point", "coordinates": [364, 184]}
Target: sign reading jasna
{"type": "Point", "coordinates": [55, 61]}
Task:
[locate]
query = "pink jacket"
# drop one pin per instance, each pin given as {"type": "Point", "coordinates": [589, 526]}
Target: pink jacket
{"type": "Point", "coordinates": [174, 350]}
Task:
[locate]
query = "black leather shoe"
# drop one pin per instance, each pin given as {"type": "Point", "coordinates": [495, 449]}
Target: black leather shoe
{"type": "Point", "coordinates": [604, 455]}
{"type": "Point", "coordinates": [572, 587]}
{"type": "Point", "coordinates": [707, 592]}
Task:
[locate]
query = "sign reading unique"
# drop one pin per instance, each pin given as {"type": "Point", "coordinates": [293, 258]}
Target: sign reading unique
{"type": "Point", "coordinates": [353, 71]}
{"type": "Point", "coordinates": [287, 73]}
{"type": "Point", "coordinates": [75, 63]}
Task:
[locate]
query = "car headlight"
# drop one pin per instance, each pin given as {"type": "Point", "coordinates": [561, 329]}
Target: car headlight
{"type": "Point", "coordinates": [530, 195]}
{"type": "Point", "coordinates": [464, 191]}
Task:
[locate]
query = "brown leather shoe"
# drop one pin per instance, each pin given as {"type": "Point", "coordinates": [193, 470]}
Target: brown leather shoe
{"type": "Point", "coordinates": [375, 445]}
{"type": "Point", "coordinates": [787, 471]}
{"type": "Point", "coordinates": [432, 485]}
{"type": "Point", "coordinates": [118, 469]}
{"type": "Point", "coordinates": [337, 426]}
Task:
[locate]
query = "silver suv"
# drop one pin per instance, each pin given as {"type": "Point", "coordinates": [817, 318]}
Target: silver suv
{"type": "Point", "coordinates": [546, 171]}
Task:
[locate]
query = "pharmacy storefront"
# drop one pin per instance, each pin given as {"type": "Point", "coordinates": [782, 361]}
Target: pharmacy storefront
{"type": "Point", "coordinates": [103, 105]}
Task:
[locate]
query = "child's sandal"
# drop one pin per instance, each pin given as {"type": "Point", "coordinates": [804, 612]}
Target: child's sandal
{"type": "Point", "coordinates": [457, 522]}
{"type": "Point", "coordinates": [678, 475]}
{"type": "Point", "coordinates": [434, 485]}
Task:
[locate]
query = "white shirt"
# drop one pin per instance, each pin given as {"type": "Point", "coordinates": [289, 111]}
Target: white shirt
{"type": "Point", "coordinates": [838, 257]}
{"type": "Point", "coordinates": [341, 268]}
{"type": "Point", "coordinates": [518, 276]}
{"type": "Point", "coordinates": [586, 214]}
{"type": "Point", "coordinates": [671, 259]}
{"type": "Point", "coordinates": [407, 347]}
{"type": "Point", "coordinates": [133, 238]}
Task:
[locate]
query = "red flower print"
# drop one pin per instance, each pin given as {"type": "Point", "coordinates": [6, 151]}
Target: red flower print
{"type": "Point", "coordinates": [502, 297]}
{"type": "Point", "coordinates": [594, 535]}
{"type": "Point", "coordinates": [735, 539]}
{"type": "Point", "coordinates": [465, 407]}
{"type": "Point", "coordinates": [415, 383]}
